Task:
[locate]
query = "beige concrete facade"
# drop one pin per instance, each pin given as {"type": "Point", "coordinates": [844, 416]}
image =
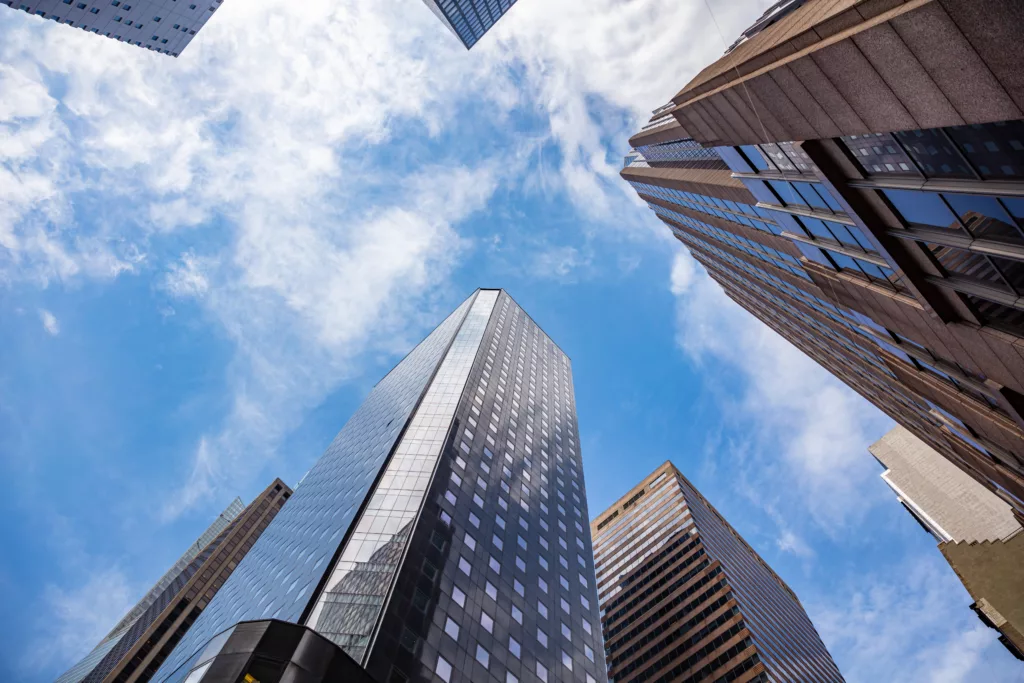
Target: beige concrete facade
{"type": "Point", "coordinates": [952, 505]}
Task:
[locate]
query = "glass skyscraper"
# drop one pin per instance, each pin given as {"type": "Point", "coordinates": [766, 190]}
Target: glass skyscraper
{"type": "Point", "coordinates": [443, 534]}
{"type": "Point", "coordinates": [469, 20]}
{"type": "Point", "coordinates": [852, 173]}
{"type": "Point", "coordinates": [685, 599]}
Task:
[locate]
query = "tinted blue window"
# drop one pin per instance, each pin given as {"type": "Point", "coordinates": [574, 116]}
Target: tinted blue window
{"type": "Point", "coordinates": [922, 207]}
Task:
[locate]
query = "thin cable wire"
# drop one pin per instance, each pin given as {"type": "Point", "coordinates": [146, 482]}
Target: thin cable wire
{"type": "Point", "coordinates": [750, 100]}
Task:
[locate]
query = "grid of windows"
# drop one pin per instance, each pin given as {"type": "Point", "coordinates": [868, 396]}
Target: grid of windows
{"type": "Point", "coordinates": [470, 19]}
{"type": "Point", "coordinates": [151, 24]}
{"type": "Point", "coordinates": [694, 602]}
{"type": "Point", "coordinates": [516, 576]}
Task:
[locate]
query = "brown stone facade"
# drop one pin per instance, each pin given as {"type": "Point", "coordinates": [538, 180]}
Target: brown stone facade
{"type": "Point", "coordinates": [993, 573]}
{"type": "Point", "coordinates": [872, 212]}
{"type": "Point", "coordinates": [139, 652]}
{"type": "Point", "coordinates": [685, 599]}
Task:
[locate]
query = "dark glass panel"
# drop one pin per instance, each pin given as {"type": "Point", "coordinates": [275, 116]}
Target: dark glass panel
{"type": "Point", "coordinates": [996, 150]}
{"type": "Point", "coordinates": [879, 154]}
{"type": "Point", "coordinates": [934, 154]}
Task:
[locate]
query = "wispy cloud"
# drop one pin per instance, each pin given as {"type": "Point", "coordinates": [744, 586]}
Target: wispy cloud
{"type": "Point", "coordinates": [186, 278]}
{"type": "Point", "coordinates": [804, 432]}
{"type": "Point", "coordinates": [911, 624]}
{"type": "Point", "coordinates": [49, 321]}
{"type": "Point", "coordinates": [77, 618]}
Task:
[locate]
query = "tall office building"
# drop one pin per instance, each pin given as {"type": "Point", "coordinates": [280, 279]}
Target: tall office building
{"type": "Point", "coordinates": [164, 26]}
{"type": "Point", "coordinates": [852, 173]}
{"type": "Point", "coordinates": [140, 642]}
{"type": "Point", "coordinates": [976, 531]}
{"type": "Point", "coordinates": [685, 599]}
{"type": "Point", "coordinates": [443, 534]}
{"type": "Point", "coordinates": [469, 20]}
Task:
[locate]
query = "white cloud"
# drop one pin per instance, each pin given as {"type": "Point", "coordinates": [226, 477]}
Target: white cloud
{"type": "Point", "coordinates": [49, 321]}
{"type": "Point", "coordinates": [910, 624]}
{"type": "Point", "coordinates": [78, 618]}
{"type": "Point", "coordinates": [806, 433]}
{"type": "Point", "coordinates": [186, 278]}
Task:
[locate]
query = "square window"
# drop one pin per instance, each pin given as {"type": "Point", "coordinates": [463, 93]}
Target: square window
{"type": "Point", "coordinates": [482, 655]}
{"type": "Point", "coordinates": [487, 622]}
{"type": "Point", "coordinates": [566, 660]}
{"type": "Point", "coordinates": [443, 669]}
{"type": "Point", "coordinates": [465, 566]}
{"type": "Point", "coordinates": [566, 631]}
{"type": "Point", "coordinates": [470, 542]}
{"type": "Point", "coordinates": [588, 652]}
{"type": "Point", "coordinates": [513, 647]}
{"type": "Point", "coordinates": [458, 596]}
{"type": "Point", "coordinates": [491, 591]}
{"type": "Point", "coordinates": [517, 614]}
{"type": "Point", "coordinates": [542, 638]}
{"type": "Point", "coordinates": [510, 677]}
{"type": "Point", "coordinates": [474, 520]}
{"type": "Point", "coordinates": [494, 565]}
{"type": "Point", "coordinates": [565, 605]}
{"type": "Point", "coordinates": [451, 628]}
{"type": "Point", "coordinates": [586, 627]}
{"type": "Point", "coordinates": [518, 587]}
{"type": "Point", "coordinates": [496, 540]}
{"type": "Point", "coordinates": [520, 563]}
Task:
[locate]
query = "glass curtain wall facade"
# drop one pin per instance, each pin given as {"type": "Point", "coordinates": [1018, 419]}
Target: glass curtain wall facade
{"type": "Point", "coordinates": [685, 599]}
{"type": "Point", "coordinates": [464, 553]}
{"type": "Point", "coordinates": [872, 218]}
{"type": "Point", "coordinates": [469, 20]}
{"type": "Point", "coordinates": [146, 635]}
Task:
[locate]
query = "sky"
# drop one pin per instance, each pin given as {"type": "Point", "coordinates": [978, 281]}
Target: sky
{"type": "Point", "coordinates": [207, 262]}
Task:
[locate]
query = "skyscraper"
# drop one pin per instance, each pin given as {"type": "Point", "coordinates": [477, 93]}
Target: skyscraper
{"type": "Point", "coordinates": [158, 25]}
{"type": "Point", "coordinates": [852, 173]}
{"type": "Point", "coordinates": [685, 599]}
{"type": "Point", "coordinates": [443, 534]}
{"type": "Point", "coordinates": [140, 642]}
{"type": "Point", "coordinates": [977, 531]}
{"type": "Point", "coordinates": [467, 19]}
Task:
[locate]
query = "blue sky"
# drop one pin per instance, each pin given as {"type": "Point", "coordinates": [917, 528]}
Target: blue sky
{"type": "Point", "coordinates": [205, 264]}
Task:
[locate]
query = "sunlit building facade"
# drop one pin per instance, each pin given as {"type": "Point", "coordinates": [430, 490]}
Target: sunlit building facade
{"type": "Point", "coordinates": [685, 599]}
{"type": "Point", "coordinates": [443, 535]}
{"type": "Point", "coordinates": [157, 25]}
{"type": "Point", "coordinates": [867, 203]}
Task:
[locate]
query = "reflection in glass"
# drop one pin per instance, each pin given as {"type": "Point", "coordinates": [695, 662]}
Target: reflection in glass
{"type": "Point", "coordinates": [350, 604]}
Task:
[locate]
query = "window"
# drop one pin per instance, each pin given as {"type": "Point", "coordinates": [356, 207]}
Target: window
{"type": "Point", "coordinates": [513, 647]}
{"type": "Point", "coordinates": [496, 540]}
{"type": "Point", "coordinates": [474, 520]}
{"type": "Point", "coordinates": [586, 627]}
{"type": "Point", "coordinates": [566, 660]}
{"type": "Point", "coordinates": [491, 591]}
{"type": "Point", "coordinates": [443, 669]}
{"type": "Point", "coordinates": [482, 655]}
{"type": "Point", "coordinates": [588, 652]}
{"type": "Point", "coordinates": [510, 677]}
{"type": "Point", "coordinates": [542, 673]}
{"type": "Point", "coordinates": [451, 628]}
{"type": "Point", "coordinates": [458, 596]}
{"type": "Point", "coordinates": [518, 587]}
{"type": "Point", "coordinates": [470, 542]}
{"type": "Point", "coordinates": [543, 584]}
{"type": "Point", "coordinates": [465, 566]}
{"type": "Point", "coordinates": [494, 564]}
{"type": "Point", "coordinates": [566, 631]}
{"type": "Point", "coordinates": [517, 614]}
{"type": "Point", "coordinates": [487, 622]}
{"type": "Point", "coordinates": [542, 638]}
